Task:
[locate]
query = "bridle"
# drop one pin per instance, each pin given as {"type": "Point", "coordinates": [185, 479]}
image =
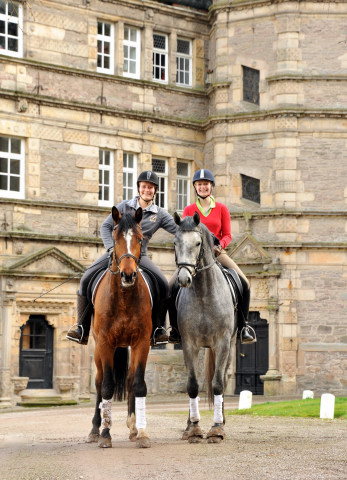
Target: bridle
{"type": "Point", "coordinates": [195, 267]}
{"type": "Point", "coordinates": [125, 255]}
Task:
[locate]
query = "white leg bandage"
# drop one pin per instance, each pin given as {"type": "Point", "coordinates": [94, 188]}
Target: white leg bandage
{"type": "Point", "coordinates": [106, 417]}
{"type": "Point", "coordinates": [140, 412]}
{"type": "Point", "coordinates": [194, 414]}
{"type": "Point", "coordinates": [218, 409]}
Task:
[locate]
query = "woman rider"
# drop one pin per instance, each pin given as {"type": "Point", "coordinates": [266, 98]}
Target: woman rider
{"type": "Point", "coordinates": [154, 217]}
{"type": "Point", "coordinates": [216, 217]}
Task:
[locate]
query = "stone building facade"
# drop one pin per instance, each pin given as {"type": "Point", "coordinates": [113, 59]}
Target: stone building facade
{"type": "Point", "coordinates": [94, 91]}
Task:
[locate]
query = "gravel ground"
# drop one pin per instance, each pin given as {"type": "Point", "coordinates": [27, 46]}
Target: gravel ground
{"type": "Point", "coordinates": [49, 444]}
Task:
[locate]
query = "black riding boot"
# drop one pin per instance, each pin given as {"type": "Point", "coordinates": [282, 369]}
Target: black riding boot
{"type": "Point", "coordinates": [159, 335]}
{"type": "Point", "coordinates": [80, 334]}
{"type": "Point", "coordinates": [174, 336]}
{"type": "Point", "coordinates": [247, 333]}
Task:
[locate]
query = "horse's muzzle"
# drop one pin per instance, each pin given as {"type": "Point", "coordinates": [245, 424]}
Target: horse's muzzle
{"type": "Point", "coordinates": [184, 278]}
{"type": "Point", "coordinates": [128, 280]}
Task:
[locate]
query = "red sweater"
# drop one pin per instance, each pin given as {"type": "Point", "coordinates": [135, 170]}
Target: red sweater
{"type": "Point", "coordinates": [217, 221]}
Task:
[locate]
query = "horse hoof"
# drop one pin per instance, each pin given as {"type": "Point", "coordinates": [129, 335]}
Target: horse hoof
{"type": "Point", "coordinates": [185, 435]}
{"type": "Point", "coordinates": [143, 442]}
{"type": "Point", "coordinates": [93, 438]}
{"type": "Point", "coordinates": [132, 437]}
{"type": "Point", "coordinates": [105, 442]}
{"type": "Point", "coordinates": [215, 435]}
{"type": "Point", "coordinates": [195, 434]}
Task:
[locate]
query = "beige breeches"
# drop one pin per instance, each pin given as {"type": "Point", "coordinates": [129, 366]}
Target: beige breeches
{"type": "Point", "coordinates": [228, 262]}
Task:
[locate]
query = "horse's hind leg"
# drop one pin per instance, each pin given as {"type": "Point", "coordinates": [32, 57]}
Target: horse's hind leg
{"type": "Point", "coordinates": [94, 433]}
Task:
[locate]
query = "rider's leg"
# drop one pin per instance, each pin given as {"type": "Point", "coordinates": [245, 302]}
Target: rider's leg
{"type": "Point", "coordinates": [160, 310]}
{"type": "Point", "coordinates": [80, 334]}
{"type": "Point", "coordinates": [247, 334]}
{"type": "Point", "coordinates": [174, 336]}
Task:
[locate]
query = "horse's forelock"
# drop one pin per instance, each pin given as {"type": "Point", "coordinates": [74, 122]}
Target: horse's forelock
{"type": "Point", "coordinates": [128, 222]}
{"type": "Point", "coordinates": [188, 225]}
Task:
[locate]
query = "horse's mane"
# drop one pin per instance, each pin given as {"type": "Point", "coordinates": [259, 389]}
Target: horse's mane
{"type": "Point", "coordinates": [128, 222]}
{"type": "Point", "coordinates": [187, 224]}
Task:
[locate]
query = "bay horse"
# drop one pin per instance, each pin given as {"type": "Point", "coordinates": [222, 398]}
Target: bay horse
{"type": "Point", "coordinates": [122, 319]}
{"type": "Point", "coordinates": [205, 314]}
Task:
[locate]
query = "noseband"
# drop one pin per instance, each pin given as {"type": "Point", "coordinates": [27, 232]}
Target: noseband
{"type": "Point", "coordinates": [195, 267]}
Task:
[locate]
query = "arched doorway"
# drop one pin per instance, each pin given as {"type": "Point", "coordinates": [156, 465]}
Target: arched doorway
{"type": "Point", "coordinates": [36, 352]}
{"type": "Point", "coordinates": [253, 360]}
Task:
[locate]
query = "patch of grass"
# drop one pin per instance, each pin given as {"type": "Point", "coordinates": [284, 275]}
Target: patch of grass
{"type": "Point", "coordinates": [308, 408]}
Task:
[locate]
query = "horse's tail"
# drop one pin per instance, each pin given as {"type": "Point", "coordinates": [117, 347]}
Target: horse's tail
{"type": "Point", "coordinates": [120, 371]}
{"type": "Point", "coordinates": [209, 373]}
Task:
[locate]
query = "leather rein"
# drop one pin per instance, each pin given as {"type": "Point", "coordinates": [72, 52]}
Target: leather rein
{"type": "Point", "coordinates": [195, 267]}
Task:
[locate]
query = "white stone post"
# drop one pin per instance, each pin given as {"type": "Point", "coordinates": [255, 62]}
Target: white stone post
{"type": "Point", "coordinates": [245, 400]}
{"type": "Point", "coordinates": [327, 405]}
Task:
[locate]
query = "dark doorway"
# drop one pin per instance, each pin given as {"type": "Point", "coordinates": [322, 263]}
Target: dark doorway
{"type": "Point", "coordinates": [36, 352]}
{"type": "Point", "coordinates": [253, 360]}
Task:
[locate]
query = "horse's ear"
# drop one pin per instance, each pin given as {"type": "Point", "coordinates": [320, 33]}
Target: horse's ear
{"type": "Point", "coordinates": [116, 215]}
{"type": "Point", "coordinates": [177, 218]}
{"type": "Point", "coordinates": [138, 215]}
{"type": "Point", "coordinates": [196, 218]}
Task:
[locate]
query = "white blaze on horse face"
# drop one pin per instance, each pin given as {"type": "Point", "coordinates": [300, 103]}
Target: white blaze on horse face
{"type": "Point", "coordinates": [128, 236]}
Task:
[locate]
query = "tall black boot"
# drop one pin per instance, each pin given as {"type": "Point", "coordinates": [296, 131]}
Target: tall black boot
{"type": "Point", "coordinates": [80, 334]}
{"type": "Point", "coordinates": [174, 336]}
{"type": "Point", "coordinates": [159, 335]}
{"type": "Point", "coordinates": [247, 333]}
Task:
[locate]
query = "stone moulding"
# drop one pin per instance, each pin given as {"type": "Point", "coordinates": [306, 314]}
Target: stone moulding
{"type": "Point", "coordinates": [19, 384]}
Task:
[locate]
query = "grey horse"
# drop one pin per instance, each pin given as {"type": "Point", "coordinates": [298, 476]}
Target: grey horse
{"type": "Point", "coordinates": [205, 314]}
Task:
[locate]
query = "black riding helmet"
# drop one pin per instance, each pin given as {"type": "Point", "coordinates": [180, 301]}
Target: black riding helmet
{"type": "Point", "coordinates": [148, 176]}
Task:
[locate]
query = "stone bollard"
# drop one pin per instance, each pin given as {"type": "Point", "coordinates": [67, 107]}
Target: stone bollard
{"type": "Point", "coordinates": [245, 400]}
{"type": "Point", "coordinates": [307, 394]}
{"type": "Point", "coordinates": [327, 405]}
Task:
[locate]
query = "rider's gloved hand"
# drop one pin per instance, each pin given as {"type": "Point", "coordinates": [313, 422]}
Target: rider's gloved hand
{"type": "Point", "coordinates": [217, 250]}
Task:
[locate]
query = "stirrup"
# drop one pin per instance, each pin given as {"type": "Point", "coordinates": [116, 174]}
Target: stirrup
{"type": "Point", "coordinates": [78, 340]}
{"type": "Point", "coordinates": [247, 328]}
{"type": "Point", "coordinates": [154, 342]}
{"type": "Point", "coordinates": [174, 333]}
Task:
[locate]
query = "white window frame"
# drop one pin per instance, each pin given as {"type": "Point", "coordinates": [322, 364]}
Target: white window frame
{"type": "Point", "coordinates": [163, 53]}
{"type": "Point", "coordinates": [102, 169]}
{"type": "Point", "coordinates": [14, 156]}
{"type": "Point", "coordinates": [185, 58]}
{"type": "Point", "coordinates": [106, 38]}
{"type": "Point", "coordinates": [129, 44]}
{"type": "Point", "coordinates": [180, 180]}
{"type": "Point", "coordinates": [9, 18]}
{"type": "Point", "coordinates": [163, 181]}
{"type": "Point", "coordinates": [127, 188]}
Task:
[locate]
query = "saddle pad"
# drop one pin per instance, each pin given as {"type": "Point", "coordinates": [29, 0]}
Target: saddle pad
{"type": "Point", "coordinates": [100, 276]}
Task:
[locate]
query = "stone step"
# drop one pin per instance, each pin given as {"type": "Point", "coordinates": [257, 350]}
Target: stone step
{"type": "Point", "coordinates": [43, 397]}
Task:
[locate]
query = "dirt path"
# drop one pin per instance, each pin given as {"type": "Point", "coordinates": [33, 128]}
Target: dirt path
{"type": "Point", "coordinates": [49, 444]}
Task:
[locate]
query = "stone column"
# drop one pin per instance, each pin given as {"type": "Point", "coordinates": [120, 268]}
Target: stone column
{"type": "Point", "coordinates": [172, 58]}
{"type": "Point", "coordinates": [6, 344]}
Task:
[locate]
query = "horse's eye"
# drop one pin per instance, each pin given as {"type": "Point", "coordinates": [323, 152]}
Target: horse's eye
{"type": "Point", "coordinates": [198, 244]}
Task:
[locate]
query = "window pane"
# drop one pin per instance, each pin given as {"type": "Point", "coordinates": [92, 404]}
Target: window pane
{"type": "Point", "coordinates": [99, 28]}
{"type": "Point", "coordinates": [133, 53]}
{"type": "Point", "coordinates": [182, 169]}
{"type": "Point", "coordinates": [126, 66]}
{"type": "Point", "coordinates": [131, 161]}
{"type": "Point", "coordinates": [100, 157]}
{"type": "Point", "coordinates": [3, 182]}
{"type": "Point", "coordinates": [250, 188]}
{"type": "Point", "coordinates": [15, 145]}
{"type": "Point", "coordinates": [106, 177]}
{"type": "Point", "coordinates": [2, 26]}
{"type": "Point", "coordinates": [183, 46]}
{"type": "Point", "coordinates": [107, 157]}
{"type": "Point", "coordinates": [133, 35]}
{"type": "Point", "coordinates": [14, 184]}
{"type": "Point", "coordinates": [3, 165]}
{"type": "Point", "coordinates": [99, 46]}
{"type": "Point", "coordinates": [106, 48]}
{"type": "Point", "coordinates": [100, 176]}
{"type": "Point", "coordinates": [158, 165]}
{"type": "Point", "coordinates": [107, 29]}
{"type": "Point", "coordinates": [2, 6]}
{"type": "Point", "coordinates": [13, 45]}
{"type": "Point", "coordinates": [4, 144]}
{"type": "Point", "coordinates": [159, 41]}
{"type": "Point", "coordinates": [99, 61]}
{"type": "Point", "coordinates": [100, 193]}
{"type": "Point", "coordinates": [13, 29]}
{"type": "Point", "coordinates": [15, 167]}
{"type": "Point", "coordinates": [12, 9]}
{"type": "Point", "coordinates": [132, 67]}
{"type": "Point", "coordinates": [106, 193]}
{"type": "Point", "coordinates": [106, 62]}
{"type": "Point", "coordinates": [2, 42]}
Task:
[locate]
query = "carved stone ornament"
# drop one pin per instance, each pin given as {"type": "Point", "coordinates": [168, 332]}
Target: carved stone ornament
{"type": "Point", "coordinates": [64, 384]}
{"type": "Point", "coordinates": [19, 384]}
{"type": "Point", "coordinates": [22, 106]}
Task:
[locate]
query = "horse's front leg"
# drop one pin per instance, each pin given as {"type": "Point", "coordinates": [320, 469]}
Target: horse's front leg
{"type": "Point", "coordinates": [193, 432]}
{"type": "Point", "coordinates": [216, 433]}
{"type": "Point", "coordinates": [94, 433]}
{"type": "Point", "coordinates": [107, 391]}
{"type": "Point", "coordinates": [139, 355]}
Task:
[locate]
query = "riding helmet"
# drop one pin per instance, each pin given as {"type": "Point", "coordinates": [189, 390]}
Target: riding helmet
{"type": "Point", "coordinates": [204, 174]}
{"type": "Point", "coordinates": [148, 176]}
